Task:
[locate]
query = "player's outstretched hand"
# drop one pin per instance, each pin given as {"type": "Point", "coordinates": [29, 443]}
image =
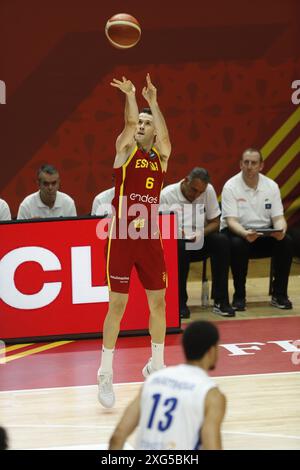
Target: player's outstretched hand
{"type": "Point", "coordinates": [149, 92]}
{"type": "Point", "coordinates": [126, 86]}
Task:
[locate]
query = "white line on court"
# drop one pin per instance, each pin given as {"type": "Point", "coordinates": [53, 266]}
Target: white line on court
{"type": "Point", "coordinates": [139, 383]}
{"type": "Point", "coordinates": [110, 428]}
{"type": "Point", "coordinates": [261, 434]}
{"type": "Point", "coordinates": [94, 426]}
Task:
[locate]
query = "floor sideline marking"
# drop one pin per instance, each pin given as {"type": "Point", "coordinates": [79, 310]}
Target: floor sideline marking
{"type": "Point", "coordinates": [139, 383]}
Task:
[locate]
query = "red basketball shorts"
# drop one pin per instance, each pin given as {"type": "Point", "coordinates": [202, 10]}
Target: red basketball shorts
{"type": "Point", "coordinates": [146, 255]}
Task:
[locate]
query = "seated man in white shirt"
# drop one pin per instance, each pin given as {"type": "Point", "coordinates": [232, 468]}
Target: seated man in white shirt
{"type": "Point", "coordinates": [251, 203]}
{"type": "Point", "coordinates": [4, 210]}
{"type": "Point", "coordinates": [196, 193]}
{"type": "Point", "coordinates": [102, 202]}
{"type": "Point", "coordinates": [48, 201]}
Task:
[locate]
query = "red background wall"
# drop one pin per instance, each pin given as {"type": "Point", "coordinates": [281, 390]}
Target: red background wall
{"type": "Point", "coordinates": [223, 72]}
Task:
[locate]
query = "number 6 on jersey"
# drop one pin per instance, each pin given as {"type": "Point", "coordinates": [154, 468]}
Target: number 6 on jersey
{"type": "Point", "coordinates": [149, 183]}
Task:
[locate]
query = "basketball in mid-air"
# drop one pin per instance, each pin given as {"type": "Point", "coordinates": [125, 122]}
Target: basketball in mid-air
{"type": "Point", "coordinates": [123, 31]}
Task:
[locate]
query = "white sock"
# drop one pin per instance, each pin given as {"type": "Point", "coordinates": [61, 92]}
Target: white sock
{"type": "Point", "coordinates": [106, 361]}
{"type": "Point", "coordinates": [157, 361]}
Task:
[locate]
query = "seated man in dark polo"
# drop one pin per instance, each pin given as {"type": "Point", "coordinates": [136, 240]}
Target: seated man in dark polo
{"type": "Point", "coordinates": [251, 203]}
{"type": "Point", "coordinates": [196, 190]}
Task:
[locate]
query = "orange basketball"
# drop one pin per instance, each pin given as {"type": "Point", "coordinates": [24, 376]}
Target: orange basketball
{"type": "Point", "coordinates": [123, 31]}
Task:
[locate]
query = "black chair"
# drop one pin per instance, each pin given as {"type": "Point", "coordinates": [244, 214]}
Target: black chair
{"type": "Point", "coordinates": [204, 279]}
{"type": "Point", "coordinates": [271, 275]}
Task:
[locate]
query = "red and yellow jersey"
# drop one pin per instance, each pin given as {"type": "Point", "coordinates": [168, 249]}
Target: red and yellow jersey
{"type": "Point", "coordinates": [138, 181]}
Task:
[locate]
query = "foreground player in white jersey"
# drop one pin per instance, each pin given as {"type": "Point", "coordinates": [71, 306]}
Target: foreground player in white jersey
{"type": "Point", "coordinates": [179, 407]}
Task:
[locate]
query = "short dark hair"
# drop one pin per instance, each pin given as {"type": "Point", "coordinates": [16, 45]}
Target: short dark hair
{"type": "Point", "coordinates": [49, 169]}
{"type": "Point", "coordinates": [3, 439]}
{"type": "Point", "coordinates": [253, 150]}
{"type": "Point", "coordinates": [199, 173]}
{"type": "Point", "coordinates": [146, 111]}
{"type": "Point", "coordinates": [198, 338]}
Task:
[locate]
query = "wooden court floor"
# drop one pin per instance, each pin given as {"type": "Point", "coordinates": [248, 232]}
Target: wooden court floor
{"type": "Point", "coordinates": [263, 410]}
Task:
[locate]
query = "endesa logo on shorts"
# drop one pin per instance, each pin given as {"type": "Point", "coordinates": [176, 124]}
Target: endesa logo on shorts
{"type": "Point", "coordinates": [145, 198]}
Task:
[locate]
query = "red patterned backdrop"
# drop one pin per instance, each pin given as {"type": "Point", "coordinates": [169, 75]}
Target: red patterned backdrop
{"type": "Point", "coordinates": [223, 70]}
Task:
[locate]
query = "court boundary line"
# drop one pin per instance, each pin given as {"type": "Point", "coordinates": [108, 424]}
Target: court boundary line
{"type": "Point", "coordinates": [261, 434]}
{"type": "Point", "coordinates": [111, 427]}
{"type": "Point", "coordinates": [141, 382]}
{"type": "Point", "coordinates": [127, 445]}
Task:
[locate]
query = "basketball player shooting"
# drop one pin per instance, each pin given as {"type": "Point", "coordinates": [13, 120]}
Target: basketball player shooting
{"type": "Point", "coordinates": [142, 152]}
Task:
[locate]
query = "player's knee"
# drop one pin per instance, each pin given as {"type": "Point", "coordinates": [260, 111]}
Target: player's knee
{"type": "Point", "coordinates": [117, 306]}
{"type": "Point", "coordinates": [157, 306]}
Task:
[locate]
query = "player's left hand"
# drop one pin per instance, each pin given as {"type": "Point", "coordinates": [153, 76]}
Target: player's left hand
{"type": "Point", "coordinates": [126, 86]}
{"type": "Point", "coordinates": [149, 92]}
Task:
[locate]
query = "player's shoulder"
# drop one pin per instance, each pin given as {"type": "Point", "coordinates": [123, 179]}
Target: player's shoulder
{"type": "Point", "coordinates": [182, 372]}
{"type": "Point", "coordinates": [215, 398]}
{"type": "Point", "coordinates": [165, 373]}
{"type": "Point", "coordinates": [123, 156]}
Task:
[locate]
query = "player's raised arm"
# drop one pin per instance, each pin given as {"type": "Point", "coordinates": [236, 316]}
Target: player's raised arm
{"type": "Point", "coordinates": [131, 117]}
{"type": "Point", "coordinates": [163, 140]}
